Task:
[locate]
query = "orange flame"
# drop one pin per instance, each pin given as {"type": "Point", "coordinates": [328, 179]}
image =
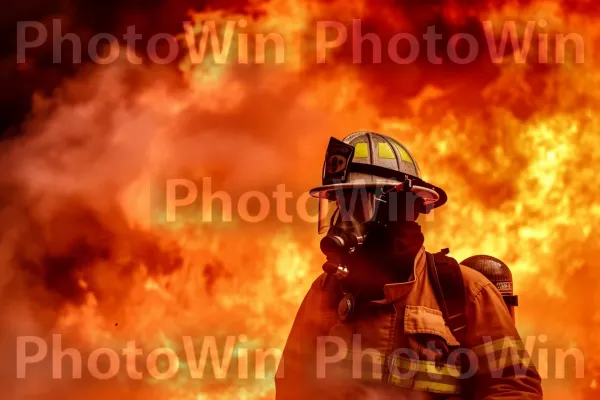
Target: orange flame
{"type": "Point", "coordinates": [102, 267]}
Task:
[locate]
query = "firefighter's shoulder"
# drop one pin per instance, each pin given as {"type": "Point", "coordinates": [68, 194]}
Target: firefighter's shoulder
{"type": "Point", "coordinates": [317, 287]}
{"type": "Point", "coordinates": [474, 281]}
{"type": "Point", "coordinates": [319, 282]}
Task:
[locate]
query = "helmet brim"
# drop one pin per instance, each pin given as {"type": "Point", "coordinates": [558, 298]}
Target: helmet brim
{"type": "Point", "coordinates": [434, 196]}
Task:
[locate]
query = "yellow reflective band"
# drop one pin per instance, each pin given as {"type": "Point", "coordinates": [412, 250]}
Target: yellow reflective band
{"type": "Point", "coordinates": [436, 387]}
{"type": "Point", "coordinates": [404, 382]}
{"type": "Point", "coordinates": [428, 367]}
{"type": "Point", "coordinates": [496, 345]}
{"type": "Point", "coordinates": [422, 375]}
{"type": "Point", "coordinates": [429, 384]}
{"type": "Point", "coordinates": [426, 385]}
{"type": "Point", "coordinates": [502, 353]}
{"type": "Point", "coordinates": [404, 154]}
{"type": "Point", "coordinates": [502, 362]}
{"type": "Point", "coordinates": [384, 150]}
{"type": "Point", "coordinates": [361, 150]}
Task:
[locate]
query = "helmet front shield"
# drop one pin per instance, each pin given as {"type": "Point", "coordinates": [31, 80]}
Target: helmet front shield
{"type": "Point", "coordinates": [346, 209]}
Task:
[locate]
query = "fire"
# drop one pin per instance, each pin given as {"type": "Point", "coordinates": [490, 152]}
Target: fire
{"type": "Point", "coordinates": [91, 256]}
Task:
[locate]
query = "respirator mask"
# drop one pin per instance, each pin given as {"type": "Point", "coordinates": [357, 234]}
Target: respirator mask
{"type": "Point", "coordinates": [346, 217]}
{"type": "Point", "coordinates": [365, 221]}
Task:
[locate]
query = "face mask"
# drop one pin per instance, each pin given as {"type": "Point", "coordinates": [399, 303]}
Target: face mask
{"type": "Point", "coordinates": [387, 256]}
{"type": "Point", "coordinates": [362, 228]}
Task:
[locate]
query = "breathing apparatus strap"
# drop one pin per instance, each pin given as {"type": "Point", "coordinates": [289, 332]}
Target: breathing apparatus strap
{"type": "Point", "coordinates": [449, 289]}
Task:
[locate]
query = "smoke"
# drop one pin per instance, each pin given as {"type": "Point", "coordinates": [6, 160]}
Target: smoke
{"type": "Point", "coordinates": [82, 187]}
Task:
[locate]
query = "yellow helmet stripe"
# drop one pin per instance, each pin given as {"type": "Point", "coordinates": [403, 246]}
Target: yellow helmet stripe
{"type": "Point", "coordinates": [384, 150]}
{"type": "Point", "coordinates": [404, 154]}
{"type": "Point", "coordinates": [361, 150]}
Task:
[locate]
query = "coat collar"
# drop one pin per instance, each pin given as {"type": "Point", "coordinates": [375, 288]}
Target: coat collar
{"type": "Point", "coordinates": [396, 291]}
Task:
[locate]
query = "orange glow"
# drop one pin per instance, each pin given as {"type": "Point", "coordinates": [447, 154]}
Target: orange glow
{"type": "Point", "coordinates": [523, 189]}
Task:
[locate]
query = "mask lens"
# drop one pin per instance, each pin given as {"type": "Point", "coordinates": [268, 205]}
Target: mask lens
{"type": "Point", "coordinates": [355, 206]}
{"type": "Point", "coordinates": [328, 212]}
{"type": "Point", "coordinates": [345, 208]}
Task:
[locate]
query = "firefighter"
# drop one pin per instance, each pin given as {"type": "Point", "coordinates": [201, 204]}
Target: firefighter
{"type": "Point", "coordinates": [388, 320]}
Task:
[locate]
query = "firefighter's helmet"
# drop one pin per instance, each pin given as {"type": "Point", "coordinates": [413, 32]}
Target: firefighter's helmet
{"type": "Point", "coordinates": [369, 159]}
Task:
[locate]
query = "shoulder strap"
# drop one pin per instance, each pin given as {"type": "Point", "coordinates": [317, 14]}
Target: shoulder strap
{"type": "Point", "coordinates": [449, 290]}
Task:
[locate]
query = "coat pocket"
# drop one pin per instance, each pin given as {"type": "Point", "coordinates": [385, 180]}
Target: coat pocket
{"type": "Point", "coordinates": [427, 364]}
{"type": "Point", "coordinates": [420, 320]}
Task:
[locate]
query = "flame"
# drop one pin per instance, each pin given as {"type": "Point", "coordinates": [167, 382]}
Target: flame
{"type": "Point", "coordinates": [89, 241]}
